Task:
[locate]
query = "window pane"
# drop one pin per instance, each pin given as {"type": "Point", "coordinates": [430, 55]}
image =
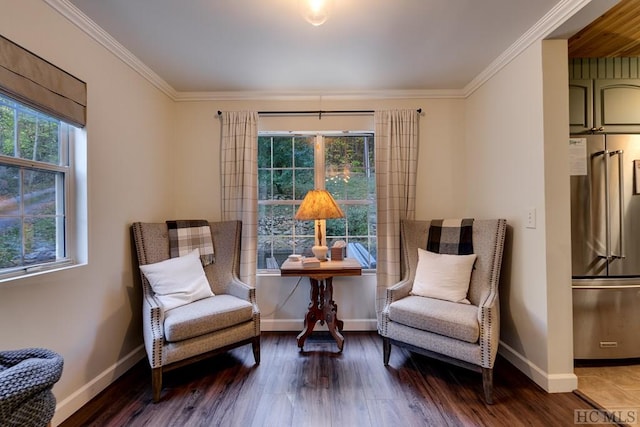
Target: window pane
{"type": "Point", "coordinates": [264, 220]}
{"type": "Point", "coordinates": [303, 157]}
{"type": "Point", "coordinates": [358, 219]}
{"type": "Point", "coordinates": [7, 130]}
{"type": "Point", "coordinates": [39, 193]}
{"type": "Point", "coordinates": [39, 240]}
{"type": "Point", "coordinates": [282, 220]}
{"type": "Point", "coordinates": [303, 182]}
{"type": "Point", "coordinates": [282, 152]}
{"type": "Point", "coordinates": [11, 242]}
{"type": "Point", "coordinates": [264, 152]}
{"type": "Point", "coordinates": [283, 184]}
{"type": "Point", "coordinates": [9, 191]}
{"type": "Point", "coordinates": [337, 228]}
{"type": "Point", "coordinates": [264, 185]}
{"type": "Point", "coordinates": [38, 138]}
{"type": "Point", "coordinates": [348, 171]}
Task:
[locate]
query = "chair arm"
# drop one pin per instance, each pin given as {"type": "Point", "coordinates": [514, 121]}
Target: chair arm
{"type": "Point", "coordinates": [489, 321]}
{"type": "Point", "coordinates": [153, 329]}
{"type": "Point", "coordinates": [398, 291]}
{"type": "Point", "coordinates": [239, 289]}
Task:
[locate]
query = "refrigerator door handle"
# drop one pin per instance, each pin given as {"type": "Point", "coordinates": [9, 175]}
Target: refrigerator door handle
{"type": "Point", "coordinates": [620, 154]}
{"type": "Point", "coordinates": [605, 287]}
{"type": "Point", "coordinates": [607, 211]}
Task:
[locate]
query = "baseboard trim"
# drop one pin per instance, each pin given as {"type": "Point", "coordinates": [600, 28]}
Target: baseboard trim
{"type": "Point", "coordinates": [551, 383]}
{"type": "Point", "coordinates": [68, 406]}
{"type": "Point", "coordinates": [286, 325]}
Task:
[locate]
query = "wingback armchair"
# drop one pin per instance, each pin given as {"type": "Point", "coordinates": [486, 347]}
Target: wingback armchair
{"type": "Point", "coordinates": [200, 329]}
{"type": "Point", "coordinates": [463, 334]}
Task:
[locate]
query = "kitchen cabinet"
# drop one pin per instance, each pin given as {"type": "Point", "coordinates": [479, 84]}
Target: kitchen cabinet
{"type": "Point", "coordinates": [617, 105]}
{"type": "Point", "coordinates": [604, 105]}
{"type": "Point", "coordinates": [580, 105]}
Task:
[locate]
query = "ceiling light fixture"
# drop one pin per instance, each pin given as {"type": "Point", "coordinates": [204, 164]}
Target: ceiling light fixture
{"type": "Point", "coordinates": [316, 12]}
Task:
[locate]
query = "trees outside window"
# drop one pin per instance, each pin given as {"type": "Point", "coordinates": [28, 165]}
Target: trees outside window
{"type": "Point", "coordinates": [289, 165]}
{"type": "Point", "coordinates": [34, 175]}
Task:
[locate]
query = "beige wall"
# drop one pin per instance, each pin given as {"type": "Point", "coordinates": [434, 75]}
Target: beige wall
{"type": "Point", "coordinates": [515, 160]}
{"type": "Point", "coordinates": [150, 159]}
{"type": "Point", "coordinates": [441, 136]}
{"type": "Point", "coordinates": [90, 314]}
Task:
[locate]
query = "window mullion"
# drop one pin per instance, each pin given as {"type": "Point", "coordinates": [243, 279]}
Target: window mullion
{"type": "Point", "coordinates": [319, 163]}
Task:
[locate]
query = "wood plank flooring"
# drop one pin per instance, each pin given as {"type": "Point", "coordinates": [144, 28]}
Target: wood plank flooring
{"type": "Point", "coordinates": [320, 387]}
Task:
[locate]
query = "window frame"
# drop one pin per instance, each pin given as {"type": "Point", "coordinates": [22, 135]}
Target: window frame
{"type": "Point", "coordinates": [67, 227]}
{"type": "Point", "coordinates": [319, 179]}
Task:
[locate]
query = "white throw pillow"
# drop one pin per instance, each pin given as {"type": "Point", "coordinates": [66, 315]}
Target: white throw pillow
{"type": "Point", "coordinates": [178, 281]}
{"type": "Point", "coordinates": [443, 276]}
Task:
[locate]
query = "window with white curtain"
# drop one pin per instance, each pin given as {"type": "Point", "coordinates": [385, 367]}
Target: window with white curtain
{"type": "Point", "coordinates": [292, 163]}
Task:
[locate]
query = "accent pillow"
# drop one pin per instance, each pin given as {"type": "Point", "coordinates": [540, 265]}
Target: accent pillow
{"type": "Point", "coordinates": [443, 276]}
{"type": "Point", "coordinates": [178, 281]}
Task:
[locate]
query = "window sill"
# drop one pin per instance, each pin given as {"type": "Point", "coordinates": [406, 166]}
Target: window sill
{"type": "Point", "coordinates": [25, 273]}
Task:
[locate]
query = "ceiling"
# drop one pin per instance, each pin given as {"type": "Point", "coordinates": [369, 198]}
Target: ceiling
{"type": "Point", "coordinates": [265, 46]}
{"type": "Point", "coordinates": [614, 34]}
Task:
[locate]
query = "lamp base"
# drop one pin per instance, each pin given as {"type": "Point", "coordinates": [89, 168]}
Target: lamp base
{"type": "Point", "coordinates": [320, 252]}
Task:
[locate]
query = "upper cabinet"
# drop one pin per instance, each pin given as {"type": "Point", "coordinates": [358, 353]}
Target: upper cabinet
{"type": "Point", "coordinates": [604, 95]}
{"type": "Point", "coordinates": [580, 106]}
{"type": "Point", "coordinates": [617, 105]}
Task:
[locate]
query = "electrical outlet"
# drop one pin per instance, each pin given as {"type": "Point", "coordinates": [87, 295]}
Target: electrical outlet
{"type": "Point", "coordinates": [531, 218]}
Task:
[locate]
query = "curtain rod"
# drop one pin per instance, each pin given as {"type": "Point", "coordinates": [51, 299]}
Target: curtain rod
{"type": "Point", "coordinates": [318, 112]}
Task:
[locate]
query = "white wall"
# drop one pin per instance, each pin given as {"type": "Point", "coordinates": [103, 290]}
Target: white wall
{"type": "Point", "coordinates": [91, 314]}
{"type": "Point", "coordinates": [509, 160]}
{"type": "Point", "coordinates": [441, 137]}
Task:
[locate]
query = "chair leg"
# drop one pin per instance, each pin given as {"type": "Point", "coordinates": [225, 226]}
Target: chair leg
{"type": "Point", "coordinates": [487, 385]}
{"type": "Point", "coordinates": [255, 344]}
{"type": "Point", "coordinates": [386, 350]}
{"type": "Point", "coordinates": [156, 383]}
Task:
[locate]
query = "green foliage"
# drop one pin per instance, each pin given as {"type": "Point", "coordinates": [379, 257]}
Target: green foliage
{"type": "Point", "coordinates": [28, 199]}
{"type": "Point", "coordinates": [286, 172]}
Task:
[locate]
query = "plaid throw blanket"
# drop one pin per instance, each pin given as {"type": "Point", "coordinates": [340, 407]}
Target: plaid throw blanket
{"type": "Point", "coordinates": [451, 236]}
{"type": "Point", "coordinates": [187, 235]}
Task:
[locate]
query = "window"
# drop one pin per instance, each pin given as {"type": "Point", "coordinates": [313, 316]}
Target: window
{"type": "Point", "coordinates": [290, 165]}
{"type": "Point", "coordinates": [35, 177]}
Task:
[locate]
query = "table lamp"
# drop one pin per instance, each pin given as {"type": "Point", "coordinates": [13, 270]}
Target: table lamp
{"type": "Point", "coordinates": [319, 205]}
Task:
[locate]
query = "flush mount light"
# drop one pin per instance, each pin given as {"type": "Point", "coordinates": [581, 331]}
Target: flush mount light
{"type": "Point", "coordinates": [316, 12]}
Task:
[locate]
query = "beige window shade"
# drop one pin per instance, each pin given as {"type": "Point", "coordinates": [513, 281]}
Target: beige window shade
{"type": "Point", "coordinates": [35, 82]}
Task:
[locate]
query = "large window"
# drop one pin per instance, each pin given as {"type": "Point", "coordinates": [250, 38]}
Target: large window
{"type": "Point", "coordinates": [35, 175]}
{"type": "Point", "coordinates": [290, 165]}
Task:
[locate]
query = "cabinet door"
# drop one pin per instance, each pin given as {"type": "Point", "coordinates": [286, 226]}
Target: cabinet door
{"type": "Point", "coordinates": [580, 106]}
{"type": "Point", "coordinates": [617, 105]}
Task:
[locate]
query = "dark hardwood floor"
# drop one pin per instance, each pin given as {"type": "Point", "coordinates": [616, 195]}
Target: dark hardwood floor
{"type": "Point", "coordinates": [319, 387]}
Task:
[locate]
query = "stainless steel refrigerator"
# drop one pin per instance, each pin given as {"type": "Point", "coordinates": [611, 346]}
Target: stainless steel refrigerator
{"type": "Point", "coordinates": [605, 237]}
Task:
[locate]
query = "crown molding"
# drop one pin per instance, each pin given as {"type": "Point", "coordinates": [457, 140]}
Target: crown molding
{"type": "Point", "coordinates": [556, 16]}
{"type": "Point", "coordinates": [547, 24]}
{"type": "Point", "coordinates": [314, 96]}
{"type": "Point", "coordinates": [93, 30]}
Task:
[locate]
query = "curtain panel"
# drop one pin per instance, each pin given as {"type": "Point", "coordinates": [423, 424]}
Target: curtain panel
{"type": "Point", "coordinates": [396, 161]}
{"type": "Point", "coordinates": [239, 170]}
{"type": "Point", "coordinates": [41, 85]}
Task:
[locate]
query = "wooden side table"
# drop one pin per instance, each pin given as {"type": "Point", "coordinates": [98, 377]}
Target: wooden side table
{"type": "Point", "coordinates": [322, 307]}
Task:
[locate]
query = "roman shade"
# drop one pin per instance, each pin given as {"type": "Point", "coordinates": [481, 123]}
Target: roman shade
{"type": "Point", "coordinates": [41, 85]}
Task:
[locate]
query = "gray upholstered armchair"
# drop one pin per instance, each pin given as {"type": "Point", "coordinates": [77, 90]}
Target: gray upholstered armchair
{"type": "Point", "coordinates": [208, 326]}
{"type": "Point", "coordinates": [26, 379]}
{"type": "Point", "coordinates": [464, 334]}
